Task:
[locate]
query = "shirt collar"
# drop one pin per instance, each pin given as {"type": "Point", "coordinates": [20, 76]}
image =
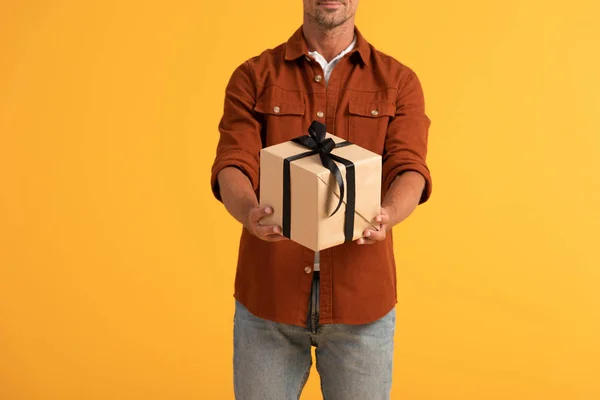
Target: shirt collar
{"type": "Point", "coordinates": [336, 58]}
{"type": "Point", "coordinates": [296, 47]}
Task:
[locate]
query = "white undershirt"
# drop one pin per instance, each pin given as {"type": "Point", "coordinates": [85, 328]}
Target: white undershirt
{"type": "Point", "coordinates": [327, 68]}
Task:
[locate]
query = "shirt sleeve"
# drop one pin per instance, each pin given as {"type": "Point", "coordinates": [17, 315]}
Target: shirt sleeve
{"type": "Point", "coordinates": [239, 141]}
{"type": "Point", "coordinates": [407, 135]}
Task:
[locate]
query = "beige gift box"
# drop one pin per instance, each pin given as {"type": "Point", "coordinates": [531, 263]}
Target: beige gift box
{"type": "Point", "coordinates": [314, 193]}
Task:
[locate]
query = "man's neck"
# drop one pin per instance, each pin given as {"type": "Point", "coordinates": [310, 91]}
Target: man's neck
{"type": "Point", "coordinates": [328, 42]}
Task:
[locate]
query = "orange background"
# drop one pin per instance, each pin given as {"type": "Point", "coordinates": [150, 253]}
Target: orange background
{"type": "Point", "coordinates": [117, 265]}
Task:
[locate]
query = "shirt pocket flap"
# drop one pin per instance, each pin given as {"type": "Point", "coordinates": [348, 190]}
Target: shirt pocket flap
{"type": "Point", "coordinates": [374, 109]}
{"type": "Point", "coordinates": [274, 106]}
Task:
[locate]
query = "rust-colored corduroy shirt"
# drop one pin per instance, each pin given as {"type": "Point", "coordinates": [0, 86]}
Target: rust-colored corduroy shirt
{"type": "Point", "coordinates": [371, 100]}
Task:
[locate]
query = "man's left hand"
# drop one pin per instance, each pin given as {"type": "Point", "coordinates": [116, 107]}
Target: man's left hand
{"type": "Point", "coordinates": [371, 236]}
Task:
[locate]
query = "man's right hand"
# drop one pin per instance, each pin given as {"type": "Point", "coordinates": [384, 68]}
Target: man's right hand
{"type": "Point", "coordinates": [269, 233]}
{"type": "Point", "coordinates": [238, 196]}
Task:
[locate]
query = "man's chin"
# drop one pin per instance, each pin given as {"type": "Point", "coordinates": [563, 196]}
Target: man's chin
{"type": "Point", "coordinates": [331, 22]}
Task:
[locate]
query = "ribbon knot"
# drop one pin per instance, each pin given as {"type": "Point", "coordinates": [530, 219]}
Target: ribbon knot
{"type": "Point", "coordinates": [316, 139]}
{"type": "Point", "coordinates": [326, 146]}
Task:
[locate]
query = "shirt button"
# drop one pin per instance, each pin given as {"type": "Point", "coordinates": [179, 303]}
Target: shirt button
{"type": "Point", "coordinates": [276, 109]}
{"type": "Point", "coordinates": [308, 270]}
{"type": "Point", "coordinates": [318, 78]}
{"type": "Point", "coordinates": [374, 113]}
{"type": "Point", "coordinates": [320, 114]}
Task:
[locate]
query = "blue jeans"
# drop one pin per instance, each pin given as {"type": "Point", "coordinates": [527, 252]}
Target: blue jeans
{"type": "Point", "coordinates": [272, 360]}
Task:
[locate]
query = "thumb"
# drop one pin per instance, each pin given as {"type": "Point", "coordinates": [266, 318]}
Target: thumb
{"type": "Point", "coordinates": [258, 213]}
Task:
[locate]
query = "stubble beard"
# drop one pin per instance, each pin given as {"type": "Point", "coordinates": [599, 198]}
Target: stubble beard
{"type": "Point", "coordinates": [331, 20]}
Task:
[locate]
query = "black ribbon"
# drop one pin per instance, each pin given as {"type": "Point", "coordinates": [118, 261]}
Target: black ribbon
{"type": "Point", "coordinates": [319, 144]}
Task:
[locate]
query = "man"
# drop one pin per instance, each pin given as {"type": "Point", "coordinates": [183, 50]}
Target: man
{"type": "Point", "coordinates": [342, 301]}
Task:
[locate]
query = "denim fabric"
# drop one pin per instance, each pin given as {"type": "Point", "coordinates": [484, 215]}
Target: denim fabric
{"type": "Point", "coordinates": [272, 360]}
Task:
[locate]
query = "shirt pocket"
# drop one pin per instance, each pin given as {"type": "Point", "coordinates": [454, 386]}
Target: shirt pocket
{"type": "Point", "coordinates": [283, 116]}
{"type": "Point", "coordinates": [368, 123]}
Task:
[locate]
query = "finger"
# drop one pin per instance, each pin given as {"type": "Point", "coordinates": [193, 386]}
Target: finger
{"type": "Point", "coordinates": [382, 219]}
{"type": "Point", "coordinates": [363, 240]}
{"type": "Point", "coordinates": [260, 212]}
{"type": "Point", "coordinates": [275, 238]}
{"type": "Point", "coordinates": [375, 235]}
{"type": "Point", "coordinates": [263, 231]}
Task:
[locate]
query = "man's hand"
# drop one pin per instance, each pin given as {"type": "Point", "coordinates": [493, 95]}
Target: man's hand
{"type": "Point", "coordinates": [269, 233]}
{"type": "Point", "coordinates": [400, 201]}
{"type": "Point", "coordinates": [240, 200]}
{"type": "Point", "coordinates": [371, 236]}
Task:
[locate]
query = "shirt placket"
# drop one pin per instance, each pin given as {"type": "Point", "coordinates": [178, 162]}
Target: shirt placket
{"type": "Point", "coordinates": [325, 258]}
{"type": "Point", "coordinates": [318, 110]}
{"type": "Point", "coordinates": [317, 83]}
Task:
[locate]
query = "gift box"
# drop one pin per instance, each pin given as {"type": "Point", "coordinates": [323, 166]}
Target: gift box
{"type": "Point", "coordinates": [324, 190]}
